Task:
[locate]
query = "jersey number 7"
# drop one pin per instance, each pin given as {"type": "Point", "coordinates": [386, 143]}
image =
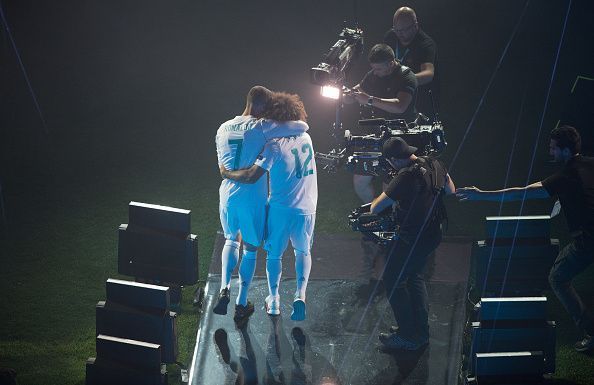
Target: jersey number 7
{"type": "Point", "coordinates": [239, 143]}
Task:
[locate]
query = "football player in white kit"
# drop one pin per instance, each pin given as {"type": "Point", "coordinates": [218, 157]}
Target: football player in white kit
{"type": "Point", "coordinates": [242, 206]}
{"type": "Point", "coordinates": [292, 201]}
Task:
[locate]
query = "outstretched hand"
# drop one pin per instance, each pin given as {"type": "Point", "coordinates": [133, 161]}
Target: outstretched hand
{"type": "Point", "coordinates": [468, 193]}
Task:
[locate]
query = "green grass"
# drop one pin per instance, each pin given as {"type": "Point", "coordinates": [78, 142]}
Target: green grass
{"type": "Point", "coordinates": [57, 253]}
{"type": "Point", "coordinates": [61, 246]}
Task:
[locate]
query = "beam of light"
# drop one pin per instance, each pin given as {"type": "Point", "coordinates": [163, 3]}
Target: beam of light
{"type": "Point", "coordinates": [482, 99]}
{"type": "Point", "coordinates": [505, 184]}
{"type": "Point", "coordinates": [4, 222]}
{"type": "Point", "coordinates": [535, 147]}
{"type": "Point", "coordinates": [517, 129]}
{"type": "Point", "coordinates": [16, 51]}
{"type": "Point", "coordinates": [330, 92]}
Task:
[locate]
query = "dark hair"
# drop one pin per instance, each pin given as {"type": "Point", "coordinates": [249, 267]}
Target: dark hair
{"type": "Point", "coordinates": [284, 107]}
{"type": "Point", "coordinates": [258, 96]}
{"type": "Point", "coordinates": [381, 53]}
{"type": "Point", "coordinates": [567, 137]}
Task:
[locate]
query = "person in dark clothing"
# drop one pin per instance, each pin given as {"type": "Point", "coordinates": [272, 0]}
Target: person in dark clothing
{"type": "Point", "coordinates": [416, 50]}
{"type": "Point", "coordinates": [417, 190]}
{"type": "Point", "coordinates": [387, 91]}
{"type": "Point", "coordinates": [573, 185]}
{"type": "Point", "coordinates": [389, 88]}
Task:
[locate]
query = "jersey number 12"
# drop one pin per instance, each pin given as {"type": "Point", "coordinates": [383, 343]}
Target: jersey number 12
{"type": "Point", "coordinates": [301, 171]}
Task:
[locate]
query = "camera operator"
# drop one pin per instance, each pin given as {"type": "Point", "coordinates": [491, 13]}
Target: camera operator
{"type": "Point", "coordinates": [416, 50]}
{"type": "Point", "coordinates": [417, 189]}
{"type": "Point", "coordinates": [389, 90]}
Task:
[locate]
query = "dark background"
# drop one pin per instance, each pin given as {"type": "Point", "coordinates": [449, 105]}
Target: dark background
{"type": "Point", "coordinates": [134, 91]}
{"type": "Point", "coordinates": [131, 93]}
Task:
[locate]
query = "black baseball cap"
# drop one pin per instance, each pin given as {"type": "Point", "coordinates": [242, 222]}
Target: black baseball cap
{"type": "Point", "coordinates": [397, 148]}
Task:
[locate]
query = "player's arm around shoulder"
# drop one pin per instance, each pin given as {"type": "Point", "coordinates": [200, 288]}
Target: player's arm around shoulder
{"type": "Point", "coordinates": [246, 175]}
{"type": "Point", "coordinates": [262, 164]}
{"type": "Point", "coordinates": [274, 129]}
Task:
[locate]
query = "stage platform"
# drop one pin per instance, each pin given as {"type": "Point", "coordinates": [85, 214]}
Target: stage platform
{"type": "Point", "coordinates": [337, 344]}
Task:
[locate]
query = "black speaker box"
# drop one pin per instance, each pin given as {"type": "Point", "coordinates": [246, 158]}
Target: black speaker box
{"type": "Point", "coordinates": [158, 256]}
{"type": "Point", "coordinates": [163, 219]}
{"type": "Point", "coordinates": [120, 321]}
{"type": "Point", "coordinates": [136, 354]}
{"type": "Point", "coordinates": [505, 336]}
{"type": "Point", "coordinates": [152, 298]}
{"type": "Point", "coordinates": [518, 227]}
{"type": "Point", "coordinates": [512, 308]}
{"type": "Point", "coordinates": [103, 372]}
{"type": "Point", "coordinates": [517, 270]}
{"type": "Point", "coordinates": [508, 364]}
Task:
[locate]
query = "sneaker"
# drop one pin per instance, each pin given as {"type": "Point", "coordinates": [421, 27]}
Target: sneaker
{"type": "Point", "coordinates": [299, 313]}
{"type": "Point", "coordinates": [242, 314]}
{"type": "Point", "coordinates": [585, 344]}
{"type": "Point", "coordinates": [222, 302]}
{"type": "Point", "coordinates": [394, 329]}
{"type": "Point", "coordinates": [272, 305]}
{"type": "Point", "coordinates": [394, 341]}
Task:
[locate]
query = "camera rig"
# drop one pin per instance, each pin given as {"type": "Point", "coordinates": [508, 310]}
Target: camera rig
{"type": "Point", "coordinates": [380, 228]}
{"type": "Point", "coordinates": [363, 154]}
{"type": "Point", "coordinates": [336, 63]}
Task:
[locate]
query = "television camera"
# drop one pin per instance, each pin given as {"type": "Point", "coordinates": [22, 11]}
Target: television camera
{"type": "Point", "coordinates": [363, 154]}
{"type": "Point", "coordinates": [335, 64]}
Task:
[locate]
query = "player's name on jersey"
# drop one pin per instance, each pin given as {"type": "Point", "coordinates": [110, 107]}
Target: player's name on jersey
{"type": "Point", "coordinates": [236, 128]}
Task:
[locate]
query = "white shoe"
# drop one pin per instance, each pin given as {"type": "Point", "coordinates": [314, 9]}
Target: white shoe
{"type": "Point", "coordinates": [299, 310]}
{"type": "Point", "coordinates": [272, 305]}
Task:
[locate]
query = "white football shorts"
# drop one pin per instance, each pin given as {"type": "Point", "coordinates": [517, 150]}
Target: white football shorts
{"type": "Point", "coordinates": [283, 225]}
{"type": "Point", "coordinates": [249, 220]}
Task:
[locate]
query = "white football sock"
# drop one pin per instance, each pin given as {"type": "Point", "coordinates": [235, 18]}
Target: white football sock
{"type": "Point", "coordinates": [229, 258]}
{"type": "Point", "coordinates": [247, 267]}
{"type": "Point", "coordinates": [274, 269]}
{"type": "Point", "coordinates": [302, 270]}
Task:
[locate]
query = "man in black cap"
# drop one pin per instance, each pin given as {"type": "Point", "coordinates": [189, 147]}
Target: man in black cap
{"type": "Point", "coordinates": [416, 192]}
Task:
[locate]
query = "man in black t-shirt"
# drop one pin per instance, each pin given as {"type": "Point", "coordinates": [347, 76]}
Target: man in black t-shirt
{"type": "Point", "coordinates": [573, 185]}
{"type": "Point", "coordinates": [416, 50]}
{"type": "Point", "coordinates": [417, 190]}
{"type": "Point", "coordinates": [387, 91]}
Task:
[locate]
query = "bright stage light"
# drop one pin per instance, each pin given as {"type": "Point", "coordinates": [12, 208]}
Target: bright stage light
{"type": "Point", "coordinates": [330, 92]}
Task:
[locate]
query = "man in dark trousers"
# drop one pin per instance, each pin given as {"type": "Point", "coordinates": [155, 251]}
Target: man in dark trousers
{"type": "Point", "coordinates": [417, 190]}
{"type": "Point", "coordinates": [574, 186]}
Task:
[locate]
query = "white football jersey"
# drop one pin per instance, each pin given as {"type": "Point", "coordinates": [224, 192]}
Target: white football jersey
{"type": "Point", "coordinates": [235, 150]}
{"type": "Point", "coordinates": [293, 174]}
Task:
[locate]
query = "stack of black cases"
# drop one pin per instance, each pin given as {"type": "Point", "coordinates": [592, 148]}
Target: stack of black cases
{"type": "Point", "coordinates": [136, 334]}
{"type": "Point", "coordinates": [511, 339]}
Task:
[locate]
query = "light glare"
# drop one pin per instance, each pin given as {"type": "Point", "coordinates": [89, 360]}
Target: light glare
{"type": "Point", "coordinates": [330, 92]}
